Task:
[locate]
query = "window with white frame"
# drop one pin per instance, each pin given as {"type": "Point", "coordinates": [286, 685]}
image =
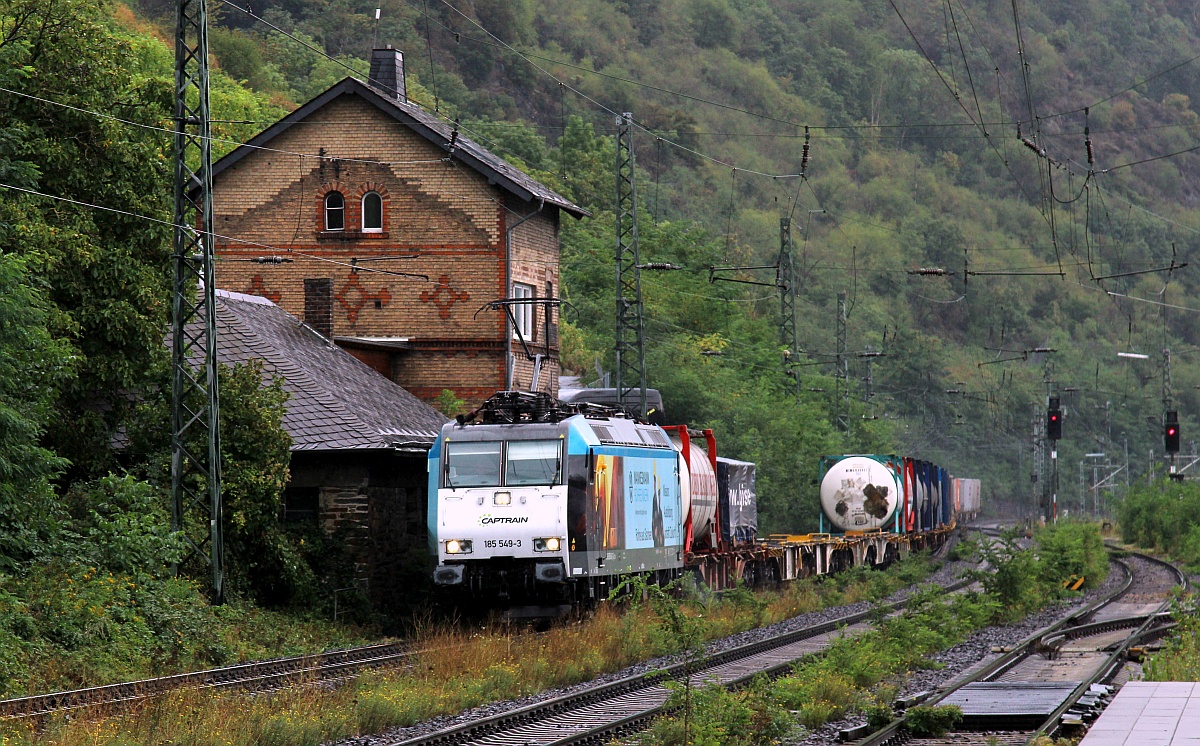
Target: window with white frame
{"type": "Point", "coordinates": [523, 312]}
{"type": "Point", "coordinates": [372, 213]}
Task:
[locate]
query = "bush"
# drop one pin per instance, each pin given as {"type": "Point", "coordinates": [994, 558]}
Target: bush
{"type": "Point", "coordinates": [1179, 659]}
{"type": "Point", "coordinates": [878, 715]}
{"type": "Point", "coordinates": [1066, 549]}
{"type": "Point", "coordinates": [1011, 578]}
{"type": "Point", "coordinates": [932, 720]}
{"type": "Point", "coordinates": [121, 524]}
{"type": "Point", "coordinates": [720, 717]}
{"type": "Point", "coordinates": [1164, 516]}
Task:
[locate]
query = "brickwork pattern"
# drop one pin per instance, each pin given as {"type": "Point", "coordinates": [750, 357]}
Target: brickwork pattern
{"type": "Point", "coordinates": [535, 252]}
{"type": "Point", "coordinates": [350, 145]}
{"type": "Point", "coordinates": [443, 212]}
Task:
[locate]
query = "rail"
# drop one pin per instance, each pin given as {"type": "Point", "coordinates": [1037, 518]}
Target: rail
{"type": "Point", "coordinates": [490, 726]}
{"type": "Point", "coordinates": [1070, 627]}
{"type": "Point", "coordinates": [271, 673]}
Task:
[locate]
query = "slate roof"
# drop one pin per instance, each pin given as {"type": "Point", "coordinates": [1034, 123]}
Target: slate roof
{"type": "Point", "coordinates": [470, 153]}
{"type": "Point", "coordinates": [336, 402]}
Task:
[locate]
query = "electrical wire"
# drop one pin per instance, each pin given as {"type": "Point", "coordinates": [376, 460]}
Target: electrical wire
{"type": "Point", "coordinates": [168, 131]}
{"type": "Point", "coordinates": [171, 224]}
{"type": "Point", "coordinates": [680, 94]}
{"type": "Point", "coordinates": [1192, 149]}
{"type": "Point", "coordinates": [987, 138]}
{"type": "Point", "coordinates": [1127, 89]}
{"type": "Point", "coordinates": [966, 66]}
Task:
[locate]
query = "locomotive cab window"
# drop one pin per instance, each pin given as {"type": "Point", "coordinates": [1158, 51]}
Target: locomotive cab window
{"type": "Point", "coordinates": [473, 464]}
{"type": "Point", "coordinates": [533, 462]}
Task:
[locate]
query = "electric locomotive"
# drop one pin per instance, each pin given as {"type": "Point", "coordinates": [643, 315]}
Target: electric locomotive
{"type": "Point", "coordinates": [537, 506]}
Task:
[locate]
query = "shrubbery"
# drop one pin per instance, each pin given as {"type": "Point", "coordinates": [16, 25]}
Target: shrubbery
{"type": "Point", "coordinates": [858, 674]}
{"type": "Point", "coordinates": [933, 720]}
{"type": "Point", "coordinates": [1023, 581]}
{"type": "Point", "coordinates": [1165, 516]}
{"type": "Point", "coordinates": [1179, 659]}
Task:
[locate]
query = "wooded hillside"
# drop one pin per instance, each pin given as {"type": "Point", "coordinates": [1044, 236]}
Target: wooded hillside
{"type": "Point", "coordinates": [1027, 150]}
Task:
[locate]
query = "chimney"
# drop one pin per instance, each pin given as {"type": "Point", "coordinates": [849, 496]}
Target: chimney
{"type": "Point", "coordinates": [387, 72]}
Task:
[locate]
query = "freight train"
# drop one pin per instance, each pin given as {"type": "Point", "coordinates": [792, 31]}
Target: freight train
{"type": "Point", "coordinates": [900, 494]}
{"type": "Point", "coordinates": [539, 506]}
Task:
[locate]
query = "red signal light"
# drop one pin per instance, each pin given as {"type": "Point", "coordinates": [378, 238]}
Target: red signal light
{"type": "Point", "coordinates": [1171, 432]}
{"type": "Point", "coordinates": [1054, 423]}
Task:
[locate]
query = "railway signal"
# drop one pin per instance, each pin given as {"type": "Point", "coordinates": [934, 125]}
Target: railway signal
{"type": "Point", "coordinates": [1171, 432]}
{"type": "Point", "coordinates": [1054, 420]}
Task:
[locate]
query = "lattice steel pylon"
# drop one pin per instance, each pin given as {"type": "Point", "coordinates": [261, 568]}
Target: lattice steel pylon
{"type": "Point", "coordinates": [195, 432]}
{"type": "Point", "coordinates": [631, 330]}
{"type": "Point", "coordinates": [1038, 475]}
{"type": "Point", "coordinates": [785, 280]}
{"type": "Point", "coordinates": [841, 371]}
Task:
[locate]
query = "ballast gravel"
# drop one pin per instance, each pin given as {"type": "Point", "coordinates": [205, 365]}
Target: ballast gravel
{"type": "Point", "coordinates": [965, 655]}
{"type": "Point", "coordinates": [945, 575]}
{"type": "Point", "coordinates": [953, 661]}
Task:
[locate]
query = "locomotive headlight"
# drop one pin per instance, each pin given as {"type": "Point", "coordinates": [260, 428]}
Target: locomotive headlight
{"type": "Point", "coordinates": [503, 498]}
{"type": "Point", "coordinates": [458, 546]}
{"type": "Point", "coordinates": [550, 544]}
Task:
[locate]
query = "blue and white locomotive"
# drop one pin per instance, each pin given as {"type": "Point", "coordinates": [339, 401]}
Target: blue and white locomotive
{"type": "Point", "coordinates": [538, 508]}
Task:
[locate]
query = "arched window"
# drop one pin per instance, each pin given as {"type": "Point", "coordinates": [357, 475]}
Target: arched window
{"type": "Point", "coordinates": [372, 213]}
{"type": "Point", "coordinates": [335, 211]}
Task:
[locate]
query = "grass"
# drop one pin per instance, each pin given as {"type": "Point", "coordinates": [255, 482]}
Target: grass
{"type": "Point", "coordinates": [862, 674]}
{"type": "Point", "coordinates": [460, 668]}
{"type": "Point", "coordinates": [854, 674]}
{"type": "Point", "coordinates": [1179, 658]}
{"type": "Point", "coordinates": [67, 625]}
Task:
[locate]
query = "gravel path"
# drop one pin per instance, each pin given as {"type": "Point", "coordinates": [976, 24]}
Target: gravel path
{"type": "Point", "coordinates": [945, 575]}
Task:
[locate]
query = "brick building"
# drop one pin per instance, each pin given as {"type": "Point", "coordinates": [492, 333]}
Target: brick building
{"type": "Point", "coordinates": [359, 445]}
{"type": "Point", "coordinates": [395, 229]}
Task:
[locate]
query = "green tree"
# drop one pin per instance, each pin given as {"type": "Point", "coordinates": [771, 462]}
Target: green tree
{"type": "Point", "coordinates": [105, 274]}
{"type": "Point", "coordinates": [32, 363]}
{"type": "Point", "coordinates": [263, 560]}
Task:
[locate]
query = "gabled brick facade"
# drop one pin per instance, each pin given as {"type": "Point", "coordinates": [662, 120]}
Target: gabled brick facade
{"type": "Point", "coordinates": [451, 211]}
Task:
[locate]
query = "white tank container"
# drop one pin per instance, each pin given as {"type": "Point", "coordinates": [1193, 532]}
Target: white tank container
{"type": "Point", "coordinates": [858, 493]}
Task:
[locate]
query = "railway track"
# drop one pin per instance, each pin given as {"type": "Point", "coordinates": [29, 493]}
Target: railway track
{"type": "Point", "coordinates": [330, 666]}
{"type": "Point", "coordinates": [597, 715]}
{"type": "Point", "coordinates": [1053, 681]}
{"type": "Point", "coordinates": [263, 675]}
{"type": "Point", "coordinates": [594, 715]}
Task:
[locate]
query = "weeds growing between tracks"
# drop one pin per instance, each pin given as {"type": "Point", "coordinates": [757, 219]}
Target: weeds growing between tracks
{"type": "Point", "coordinates": [458, 670]}
{"type": "Point", "coordinates": [863, 673]}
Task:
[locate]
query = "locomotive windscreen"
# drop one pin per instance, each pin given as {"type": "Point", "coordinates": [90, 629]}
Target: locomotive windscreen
{"type": "Point", "coordinates": [473, 464]}
{"type": "Point", "coordinates": [533, 462]}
